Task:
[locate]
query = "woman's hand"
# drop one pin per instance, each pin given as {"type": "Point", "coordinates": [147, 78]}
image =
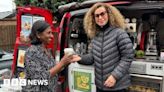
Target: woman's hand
{"type": "Point", "coordinates": [110, 82]}
{"type": "Point", "coordinates": [75, 58]}
{"type": "Point", "coordinates": [66, 59]}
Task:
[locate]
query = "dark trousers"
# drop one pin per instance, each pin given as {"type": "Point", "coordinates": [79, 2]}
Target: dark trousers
{"type": "Point", "coordinates": [99, 90]}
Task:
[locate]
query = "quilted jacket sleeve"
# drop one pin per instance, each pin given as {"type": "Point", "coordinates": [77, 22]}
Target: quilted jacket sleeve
{"type": "Point", "coordinates": [87, 59]}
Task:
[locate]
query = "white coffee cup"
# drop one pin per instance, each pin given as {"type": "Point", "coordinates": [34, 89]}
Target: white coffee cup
{"type": "Point", "coordinates": [69, 51]}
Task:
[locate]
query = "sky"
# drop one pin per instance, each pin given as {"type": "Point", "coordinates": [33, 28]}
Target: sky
{"type": "Point", "coordinates": [7, 5]}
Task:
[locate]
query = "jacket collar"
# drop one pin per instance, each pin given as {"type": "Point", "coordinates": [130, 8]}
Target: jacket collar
{"type": "Point", "coordinates": [106, 31]}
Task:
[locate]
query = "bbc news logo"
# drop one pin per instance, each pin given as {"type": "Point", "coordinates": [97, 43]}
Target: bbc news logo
{"type": "Point", "coordinates": [23, 82]}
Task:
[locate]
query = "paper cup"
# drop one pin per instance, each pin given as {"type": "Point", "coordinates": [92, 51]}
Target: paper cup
{"type": "Point", "coordinates": [69, 51]}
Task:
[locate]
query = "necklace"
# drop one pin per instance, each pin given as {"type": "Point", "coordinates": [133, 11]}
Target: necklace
{"type": "Point", "coordinates": [47, 52]}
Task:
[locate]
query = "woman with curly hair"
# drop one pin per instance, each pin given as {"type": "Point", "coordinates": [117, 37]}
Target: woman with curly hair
{"type": "Point", "coordinates": [112, 50]}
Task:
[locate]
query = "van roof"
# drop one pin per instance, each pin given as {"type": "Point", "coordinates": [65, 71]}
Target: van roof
{"type": "Point", "coordinates": [86, 4]}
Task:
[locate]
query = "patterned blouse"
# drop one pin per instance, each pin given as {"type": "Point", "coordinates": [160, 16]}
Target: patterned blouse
{"type": "Point", "coordinates": [37, 65]}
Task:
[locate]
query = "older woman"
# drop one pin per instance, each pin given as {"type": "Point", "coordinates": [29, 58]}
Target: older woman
{"type": "Point", "coordinates": [112, 50]}
{"type": "Point", "coordinates": [39, 63]}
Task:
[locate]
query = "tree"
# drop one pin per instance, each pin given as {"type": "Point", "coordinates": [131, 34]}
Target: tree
{"type": "Point", "coordinates": [52, 5]}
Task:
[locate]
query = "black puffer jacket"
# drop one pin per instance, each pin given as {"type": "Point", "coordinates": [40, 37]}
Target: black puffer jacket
{"type": "Point", "coordinates": [112, 53]}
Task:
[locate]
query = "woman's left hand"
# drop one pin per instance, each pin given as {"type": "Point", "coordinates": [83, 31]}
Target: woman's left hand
{"type": "Point", "coordinates": [110, 82]}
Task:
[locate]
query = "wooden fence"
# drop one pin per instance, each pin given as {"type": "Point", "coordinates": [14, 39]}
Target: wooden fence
{"type": "Point", "coordinates": [7, 34]}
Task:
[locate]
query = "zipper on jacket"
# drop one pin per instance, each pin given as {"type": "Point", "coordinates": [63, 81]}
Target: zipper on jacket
{"type": "Point", "coordinates": [102, 58]}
